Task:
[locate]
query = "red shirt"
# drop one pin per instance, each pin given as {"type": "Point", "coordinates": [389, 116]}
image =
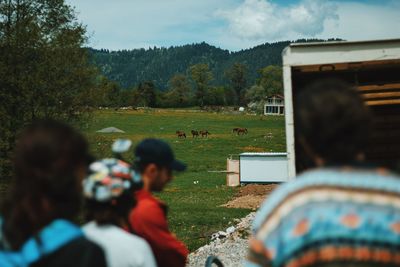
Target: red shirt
{"type": "Point", "coordinates": [149, 220]}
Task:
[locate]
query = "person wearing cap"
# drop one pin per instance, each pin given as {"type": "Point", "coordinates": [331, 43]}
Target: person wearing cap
{"type": "Point", "coordinates": [155, 161]}
{"type": "Point", "coordinates": [108, 193]}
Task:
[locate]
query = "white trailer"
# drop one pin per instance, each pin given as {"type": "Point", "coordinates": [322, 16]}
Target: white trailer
{"type": "Point", "coordinates": [372, 66]}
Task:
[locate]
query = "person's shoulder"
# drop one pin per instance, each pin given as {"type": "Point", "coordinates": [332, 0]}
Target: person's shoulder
{"type": "Point", "coordinates": [319, 183]}
{"type": "Point", "coordinates": [145, 204]}
{"type": "Point", "coordinates": [328, 178]}
{"type": "Point", "coordinates": [82, 243]}
{"type": "Point", "coordinates": [80, 252]}
{"type": "Point", "coordinates": [135, 241]}
{"type": "Point", "coordinates": [89, 227]}
{"type": "Point", "coordinates": [111, 234]}
{"type": "Point", "coordinates": [322, 183]}
{"type": "Point", "coordinates": [348, 178]}
{"type": "Point", "coordinates": [125, 243]}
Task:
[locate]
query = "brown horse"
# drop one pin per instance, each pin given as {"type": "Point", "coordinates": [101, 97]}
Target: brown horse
{"type": "Point", "coordinates": [205, 133]}
{"type": "Point", "coordinates": [234, 130]}
{"type": "Point", "coordinates": [242, 131]}
{"type": "Point", "coordinates": [181, 134]}
{"type": "Point", "coordinates": [195, 133]}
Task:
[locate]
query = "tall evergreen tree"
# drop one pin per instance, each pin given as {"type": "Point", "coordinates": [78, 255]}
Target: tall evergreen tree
{"type": "Point", "coordinates": [237, 75]}
{"type": "Point", "coordinates": [147, 94]}
{"type": "Point", "coordinates": [180, 91]}
{"type": "Point", "coordinates": [201, 76]}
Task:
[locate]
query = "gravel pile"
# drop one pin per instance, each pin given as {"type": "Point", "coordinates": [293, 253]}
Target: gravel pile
{"type": "Point", "coordinates": [229, 246]}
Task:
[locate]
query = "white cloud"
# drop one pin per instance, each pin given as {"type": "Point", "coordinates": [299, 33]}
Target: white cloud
{"type": "Point", "coordinates": [265, 20]}
{"type": "Point", "coordinates": [359, 21]}
{"type": "Point", "coordinates": [237, 24]}
{"type": "Point", "coordinates": [126, 24]}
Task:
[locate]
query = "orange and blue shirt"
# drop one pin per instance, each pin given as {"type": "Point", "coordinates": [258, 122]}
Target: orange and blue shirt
{"type": "Point", "coordinates": [329, 217]}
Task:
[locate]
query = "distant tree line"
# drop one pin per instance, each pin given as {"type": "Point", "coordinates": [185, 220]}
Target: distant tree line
{"type": "Point", "coordinates": [189, 75]}
{"type": "Point", "coordinates": [192, 88]}
{"type": "Point", "coordinates": [130, 67]}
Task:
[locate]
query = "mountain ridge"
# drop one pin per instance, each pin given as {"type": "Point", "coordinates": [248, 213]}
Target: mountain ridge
{"type": "Point", "coordinates": [130, 67]}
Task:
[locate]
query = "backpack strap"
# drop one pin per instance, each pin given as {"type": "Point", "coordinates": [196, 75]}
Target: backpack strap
{"type": "Point", "coordinates": [51, 238]}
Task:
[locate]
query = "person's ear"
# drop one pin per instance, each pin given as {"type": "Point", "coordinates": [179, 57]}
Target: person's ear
{"type": "Point", "coordinates": [45, 204]}
{"type": "Point", "coordinates": [81, 172]}
{"type": "Point", "coordinates": [360, 157]}
{"type": "Point", "coordinates": [151, 170]}
{"type": "Point", "coordinates": [318, 161]}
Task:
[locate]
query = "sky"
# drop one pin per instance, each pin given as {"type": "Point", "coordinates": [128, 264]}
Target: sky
{"type": "Point", "coordinates": [232, 24]}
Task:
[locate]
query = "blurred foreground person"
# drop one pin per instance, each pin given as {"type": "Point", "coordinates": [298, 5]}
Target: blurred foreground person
{"type": "Point", "coordinates": [108, 193]}
{"type": "Point", "coordinates": [340, 213]}
{"type": "Point", "coordinates": [155, 161]}
{"type": "Point", "coordinates": [50, 161]}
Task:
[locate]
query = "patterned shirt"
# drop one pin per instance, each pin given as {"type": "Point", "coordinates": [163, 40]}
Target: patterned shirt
{"type": "Point", "coordinates": [330, 217]}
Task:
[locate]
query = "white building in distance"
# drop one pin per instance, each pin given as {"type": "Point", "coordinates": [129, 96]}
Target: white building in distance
{"type": "Point", "coordinates": [275, 105]}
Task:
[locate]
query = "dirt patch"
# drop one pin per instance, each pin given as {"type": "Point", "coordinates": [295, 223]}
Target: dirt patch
{"type": "Point", "coordinates": [256, 189]}
{"type": "Point", "coordinates": [245, 202]}
{"type": "Point", "coordinates": [250, 196]}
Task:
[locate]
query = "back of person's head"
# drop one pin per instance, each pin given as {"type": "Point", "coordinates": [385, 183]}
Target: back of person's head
{"type": "Point", "coordinates": [108, 191]}
{"type": "Point", "coordinates": [158, 152]}
{"type": "Point", "coordinates": [332, 122]}
{"type": "Point", "coordinates": [155, 161]}
{"type": "Point", "coordinates": [50, 160]}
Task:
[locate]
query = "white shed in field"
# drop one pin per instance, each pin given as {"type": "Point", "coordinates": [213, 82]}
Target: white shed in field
{"type": "Point", "coordinates": [263, 167]}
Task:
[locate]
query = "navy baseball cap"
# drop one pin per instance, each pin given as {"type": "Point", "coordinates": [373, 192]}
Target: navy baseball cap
{"type": "Point", "coordinates": [157, 152]}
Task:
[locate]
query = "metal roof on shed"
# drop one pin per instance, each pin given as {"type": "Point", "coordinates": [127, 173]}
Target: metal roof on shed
{"type": "Point", "coordinates": [302, 54]}
{"type": "Point", "coordinates": [265, 154]}
{"type": "Point", "coordinates": [345, 42]}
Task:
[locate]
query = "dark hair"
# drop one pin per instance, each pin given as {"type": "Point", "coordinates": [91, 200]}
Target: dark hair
{"type": "Point", "coordinates": [332, 120]}
{"type": "Point", "coordinates": [46, 186]}
{"type": "Point", "coordinates": [110, 212]}
{"type": "Point", "coordinates": [140, 167]}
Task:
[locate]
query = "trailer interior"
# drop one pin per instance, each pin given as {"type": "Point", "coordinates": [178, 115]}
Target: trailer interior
{"type": "Point", "coordinates": [378, 82]}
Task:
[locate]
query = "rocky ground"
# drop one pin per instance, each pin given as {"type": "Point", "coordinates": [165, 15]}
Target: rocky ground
{"type": "Point", "coordinates": [230, 245]}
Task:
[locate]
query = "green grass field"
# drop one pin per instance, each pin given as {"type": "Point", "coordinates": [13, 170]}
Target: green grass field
{"type": "Point", "coordinates": [195, 211]}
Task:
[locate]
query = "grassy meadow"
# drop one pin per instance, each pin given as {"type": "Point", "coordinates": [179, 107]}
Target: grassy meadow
{"type": "Point", "coordinates": [194, 209]}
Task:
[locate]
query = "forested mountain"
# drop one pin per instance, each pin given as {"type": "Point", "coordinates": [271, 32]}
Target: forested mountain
{"type": "Point", "coordinates": [130, 67]}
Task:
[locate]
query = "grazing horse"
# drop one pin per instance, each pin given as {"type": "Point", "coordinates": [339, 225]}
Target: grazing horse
{"type": "Point", "coordinates": [181, 134]}
{"type": "Point", "coordinates": [242, 131]}
{"type": "Point", "coordinates": [204, 133]}
{"type": "Point", "coordinates": [195, 133]}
